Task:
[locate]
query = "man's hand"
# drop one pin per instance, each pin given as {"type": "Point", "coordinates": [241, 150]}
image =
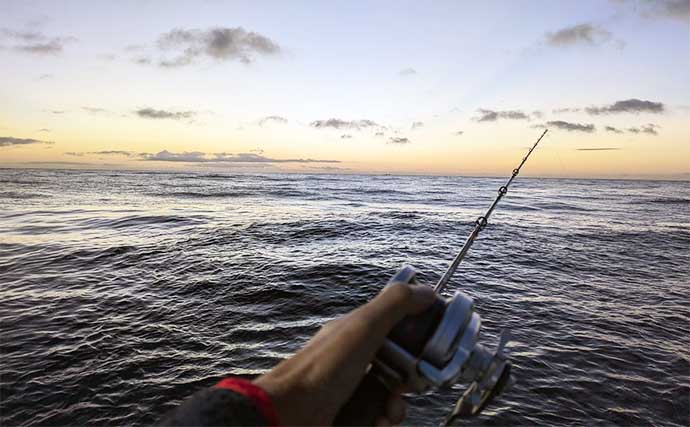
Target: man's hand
{"type": "Point", "coordinates": [312, 386]}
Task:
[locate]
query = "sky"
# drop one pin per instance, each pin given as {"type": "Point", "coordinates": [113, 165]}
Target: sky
{"type": "Point", "coordinates": [447, 87]}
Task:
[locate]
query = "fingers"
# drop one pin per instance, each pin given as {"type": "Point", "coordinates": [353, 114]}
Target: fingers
{"type": "Point", "coordinates": [402, 299]}
{"type": "Point", "coordinates": [396, 409]}
{"type": "Point", "coordinates": [383, 422]}
{"type": "Point", "coordinates": [393, 303]}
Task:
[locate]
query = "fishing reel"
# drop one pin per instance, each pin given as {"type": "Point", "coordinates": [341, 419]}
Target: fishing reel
{"type": "Point", "coordinates": [430, 351]}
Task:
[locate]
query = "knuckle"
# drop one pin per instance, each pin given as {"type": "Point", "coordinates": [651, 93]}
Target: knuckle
{"type": "Point", "coordinates": [401, 292]}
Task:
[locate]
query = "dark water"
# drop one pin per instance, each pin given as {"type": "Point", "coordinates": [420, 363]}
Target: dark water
{"type": "Point", "coordinates": [122, 293]}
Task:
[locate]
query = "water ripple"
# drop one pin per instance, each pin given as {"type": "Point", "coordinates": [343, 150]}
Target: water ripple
{"type": "Point", "coordinates": [124, 292]}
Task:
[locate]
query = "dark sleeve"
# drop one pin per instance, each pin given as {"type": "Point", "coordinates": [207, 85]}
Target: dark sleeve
{"type": "Point", "coordinates": [232, 402]}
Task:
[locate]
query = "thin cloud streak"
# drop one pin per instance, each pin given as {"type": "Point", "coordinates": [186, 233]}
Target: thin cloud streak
{"type": "Point", "coordinates": [571, 127]}
{"type": "Point", "coordinates": [201, 157]}
{"type": "Point", "coordinates": [486, 115]}
{"type": "Point", "coordinates": [650, 129]}
{"type": "Point", "coordinates": [150, 113]}
{"type": "Point", "coordinates": [94, 110]}
{"type": "Point", "coordinates": [105, 153]}
{"type": "Point", "coordinates": [586, 33]}
{"type": "Point", "coordinates": [566, 110]}
{"type": "Point", "coordinates": [9, 141]}
{"type": "Point", "coordinates": [632, 105]}
{"type": "Point", "coordinates": [345, 124]}
{"type": "Point", "coordinates": [272, 119]}
{"type": "Point", "coordinates": [660, 9]}
{"type": "Point", "coordinates": [34, 42]}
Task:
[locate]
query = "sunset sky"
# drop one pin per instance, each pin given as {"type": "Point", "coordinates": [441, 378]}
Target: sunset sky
{"type": "Point", "coordinates": [452, 87]}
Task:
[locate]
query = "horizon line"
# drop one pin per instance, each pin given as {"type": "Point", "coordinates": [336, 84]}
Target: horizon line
{"type": "Point", "coordinates": [675, 177]}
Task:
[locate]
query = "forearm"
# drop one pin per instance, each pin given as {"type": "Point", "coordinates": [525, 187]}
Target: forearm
{"type": "Point", "coordinates": [231, 402]}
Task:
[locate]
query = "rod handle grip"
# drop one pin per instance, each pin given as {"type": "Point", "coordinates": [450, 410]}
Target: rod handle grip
{"type": "Point", "coordinates": [367, 403]}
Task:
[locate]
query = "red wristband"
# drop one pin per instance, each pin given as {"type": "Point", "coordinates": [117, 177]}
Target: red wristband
{"type": "Point", "coordinates": [257, 395]}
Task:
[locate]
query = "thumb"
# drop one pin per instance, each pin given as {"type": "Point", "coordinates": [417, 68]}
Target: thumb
{"type": "Point", "coordinates": [396, 301]}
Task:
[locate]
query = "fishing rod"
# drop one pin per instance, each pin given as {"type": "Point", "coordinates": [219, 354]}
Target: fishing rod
{"type": "Point", "coordinates": [481, 222]}
{"type": "Point", "coordinates": [437, 348]}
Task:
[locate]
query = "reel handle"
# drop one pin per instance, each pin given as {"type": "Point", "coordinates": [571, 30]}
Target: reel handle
{"type": "Point", "coordinates": [369, 399]}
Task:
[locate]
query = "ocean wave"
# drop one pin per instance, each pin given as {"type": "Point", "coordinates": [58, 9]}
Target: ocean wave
{"type": "Point", "coordinates": [21, 195]}
{"type": "Point", "coordinates": [119, 299]}
{"type": "Point", "coordinates": [668, 201]}
{"type": "Point", "coordinates": [205, 195]}
{"type": "Point", "coordinates": [22, 181]}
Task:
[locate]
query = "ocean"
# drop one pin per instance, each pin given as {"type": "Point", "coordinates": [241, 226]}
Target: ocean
{"type": "Point", "coordinates": [122, 293]}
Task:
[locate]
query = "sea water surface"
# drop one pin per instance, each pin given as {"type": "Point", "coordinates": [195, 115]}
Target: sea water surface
{"type": "Point", "coordinates": [122, 293]}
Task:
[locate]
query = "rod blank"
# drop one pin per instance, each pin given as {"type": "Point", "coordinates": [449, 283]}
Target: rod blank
{"type": "Point", "coordinates": [481, 223]}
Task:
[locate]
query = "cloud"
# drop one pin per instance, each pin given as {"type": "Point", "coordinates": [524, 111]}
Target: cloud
{"type": "Point", "coordinates": [272, 119]}
{"type": "Point", "coordinates": [45, 77]}
{"type": "Point", "coordinates": [598, 149]}
{"type": "Point", "coordinates": [578, 34]}
{"type": "Point", "coordinates": [142, 60]}
{"type": "Point", "coordinates": [34, 42]}
{"type": "Point", "coordinates": [44, 130]}
{"type": "Point", "coordinates": [150, 113]}
{"type": "Point", "coordinates": [537, 114]}
{"type": "Point", "coordinates": [565, 110]}
{"type": "Point", "coordinates": [326, 168]}
{"type": "Point", "coordinates": [346, 136]}
{"type": "Point", "coordinates": [458, 132]}
{"type": "Point", "coordinates": [200, 157]}
{"type": "Point", "coordinates": [379, 134]}
{"type": "Point", "coordinates": [49, 48]}
{"type": "Point", "coordinates": [571, 127]}
{"type": "Point", "coordinates": [105, 153]}
{"type": "Point", "coordinates": [417, 125]}
{"type": "Point", "coordinates": [134, 48]}
{"type": "Point", "coordinates": [674, 9]}
{"type": "Point", "coordinates": [94, 110]}
{"type": "Point", "coordinates": [64, 163]}
{"type": "Point", "coordinates": [407, 72]}
{"type": "Point", "coordinates": [344, 124]}
{"type": "Point", "coordinates": [492, 116]}
{"type": "Point", "coordinates": [664, 9]}
{"type": "Point", "coordinates": [114, 153]}
{"type": "Point", "coordinates": [650, 129]}
{"type": "Point", "coordinates": [612, 129]}
{"type": "Point", "coordinates": [632, 105]}
{"type": "Point", "coordinates": [397, 140]}
{"type": "Point", "coordinates": [180, 47]}
{"type": "Point", "coordinates": [8, 141]}
{"type": "Point", "coordinates": [57, 111]}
